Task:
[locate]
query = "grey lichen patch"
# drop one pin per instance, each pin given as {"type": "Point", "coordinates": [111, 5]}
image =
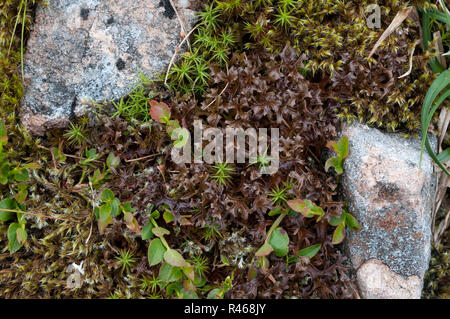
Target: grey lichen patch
{"type": "Point", "coordinates": [392, 198]}
{"type": "Point", "coordinates": [90, 50]}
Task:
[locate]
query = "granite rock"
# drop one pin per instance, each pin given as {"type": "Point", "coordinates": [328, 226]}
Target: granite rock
{"type": "Point", "coordinates": [81, 51]}
{"type": "Point", "coordinates": [392, 198]}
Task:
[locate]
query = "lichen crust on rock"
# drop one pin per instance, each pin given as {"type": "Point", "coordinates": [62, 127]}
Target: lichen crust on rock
{"type": "Point", "coordinates": [87, 51]}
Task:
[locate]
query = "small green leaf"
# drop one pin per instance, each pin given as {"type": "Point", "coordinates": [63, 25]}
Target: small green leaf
{"type": "Point", "coordinates": [296, 205]}
{"type": "Point", "coordinates": [105, 212]}
{"type": "Point", "coordinates": [168, 273]}
{"type": "Point", "coordinates": [21, 235]}
{"type": "Point", "coordinates": [334, 162]}
{"type": "Point", "coordinates": [310, 251]}
{"type": "Point", "coordinates": [112, 161]}
{"type": "Point", "coordinates": [132, 223]}
{"type": "Point", "coordinates": [20, 174]}
{"type": "Point", "coordinates": [126, 207]}
{"type": "Point", "coordinates": [334, 221]}
{"type": "Point", "coordinates": [147, 231]}
{"type": "Point", "coordinates": [14, 244]}
{"type": "Point", "coordinates": [339, 234]}
{"type": "Point", "coordinates": [342, 147]}
{"type": "Point", "coordinates": [156, 252]}
{"type": "Point", "coordinates": [351, 222]}
{"type": "Point", "coordinates": [306, 207]}
{"type": "Point", "coordinates": [265, 250]}
{"type": "Point", "coordinates": [7, 203]}
{"type": "Point", "coordinates": [214, 294]}
{"type": "Point", "coordinates": [159, 111]}
{"type": "Point", "coordinates": [189, 294]}
{"type": "Point", "coordinates": [103, 223]}
{"type": "Point", "coordinates": [159, 231]}
{"type": "Point", "coordinates": [189, 272]}
{"type": "Point", "coordinates": [174, 258]}
{"type": "Point", "coordinates": [168, 217]}
{"type": "Point", "coordinates": [115, 207]}
{"type": "Point", "coordinates": [279, 240]}
{"type": "Point", "coordinates": [107, 195]}
{"type": "Point", "coordinates": [21, 196]}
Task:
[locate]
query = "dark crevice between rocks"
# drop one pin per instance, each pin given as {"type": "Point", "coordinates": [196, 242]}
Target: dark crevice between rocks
{"type": "Point", "coordinates": [72, 108]}
{"type": "Point", "coordinates": [169, 12]}
{"type": "Point", "coordinates": [84, 14]}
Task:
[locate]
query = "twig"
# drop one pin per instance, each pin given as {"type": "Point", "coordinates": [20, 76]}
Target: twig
{"type": "Point", "coordinates": [32, 214]}
{"type": "Point", "coordinates": [115, 250]}
{"type": "Point", "coordinates": [67, 155]}
{"type": "Point", "coordinates": [93, 212]}
{"type": "Point", "coordinates": [399, 18]}
{"type": "Point", "coordinates": [183, 29]}
{"type": "Point", "coordinates": [172, 60]}
{"type": "Point", "coordinates": [141, 158]}
{"type": "Point", "coordinates": [223, 91]}
{"type": "Point", "coordinates": [410, 61]}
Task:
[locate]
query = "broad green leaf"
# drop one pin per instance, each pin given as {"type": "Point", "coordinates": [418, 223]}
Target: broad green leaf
{"type": "Point", "coordinates": [214, 294]}
{"type": "Point", "coordinates": [155, 214]}
{"type": "Point", "coordinates": [156, 252]}
{"type": "Point", "coordinates": [334, 221]}
{"type": "Point", "coordinates": [279, 240]}
{"type": "Point", "coordinates": [132, 223]}
{"type": "Point", "coordinates": [351, 222]}
{"type": "Point", "coordinates": [159, 231]}
{"type": "Point", "coordinates": [175, 288]}
{"type": "Point", "coordinates": [276, 211]}
{"type": "Point", "coordinates": [168, 273]}
{"type": "Point", "coordinates": [97, 212]}
{"type": "Point", "coordinates": [112, 161]}
{"type": "Point", "coordinates": [91, 154]}
{"type": "Point", "coordinates": [115, 207]}
{"type": "Point", "coordinates": [7, 203]}
{"type": "Point", "coordinates": [174, 258]}
{"type": "Point", "coordinates": [107, 195]}
{"type": "Point", "coordinates": [21, 235]}
{"type": "Point", "coordinates": [336, 163]}
{"type": "Point", "coordinates": [265, 250]}
{"type": "Point", "coordinates": [339, 234]}
{"type": "Point", "coordinates": [296, 205]}
{"type": "Point", "coordinates": [13, 243]}
{"type": "Point", "coordinates": [126, 207]}
{"type": "Point", "coordinates": [159, 111]}
{"type": "Point", "coordinates": [147, 231]}
{"type": "Point", "coordinates": [105, 212]}
{"type": "Point", "coordinates": [168, 217]}
{"type": "Point", "coordinates": [171, 127]}
{"type": "Point", "coordinates": [102, 224]}
{"type": "Point", "coordinates": [21, 196]}
{"type": "Point", "coordinates": [306, 207]}
{"type": "Point", "coordinates": [20, 175]}
{"type": "Point", "coordinates": [189, 294]}
{"type": "Point", "coordinates": [310, 251]}
{"type": "Point", "coordinates": [189, 272]}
